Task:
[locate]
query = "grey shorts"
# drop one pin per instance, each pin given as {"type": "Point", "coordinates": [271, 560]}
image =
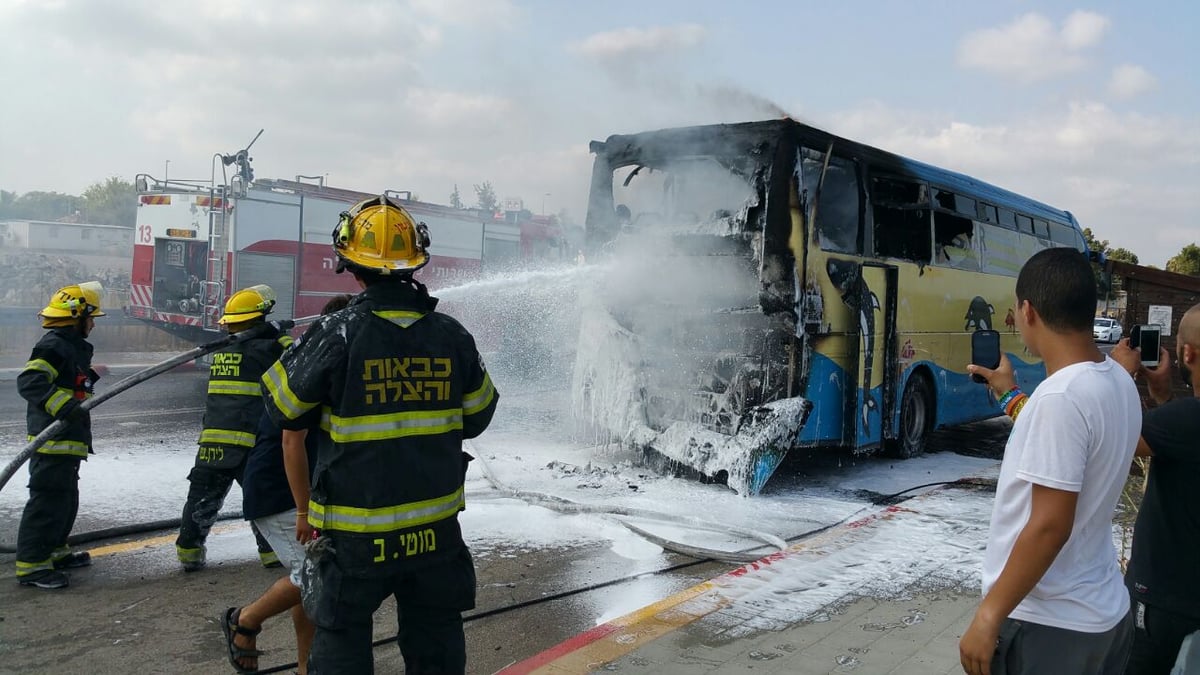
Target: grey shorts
{"type": "Point", "coordinates": [1027, 648]}
{"type": "Point", "coordinates": [280, 532]}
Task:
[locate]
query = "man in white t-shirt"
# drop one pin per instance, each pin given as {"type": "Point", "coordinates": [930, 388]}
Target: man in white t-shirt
{"type": "Point", "coordinates": [1053, 596]}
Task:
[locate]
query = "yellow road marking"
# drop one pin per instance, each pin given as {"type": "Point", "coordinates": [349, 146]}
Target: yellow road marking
{"type": "Point", "coordinates": [625, 634]}
{"type": "Point", "coordinates": [150, 542]}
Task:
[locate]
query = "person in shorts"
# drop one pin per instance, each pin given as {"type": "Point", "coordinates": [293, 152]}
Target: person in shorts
{"type": "Point", "coordinates": [268, 503]}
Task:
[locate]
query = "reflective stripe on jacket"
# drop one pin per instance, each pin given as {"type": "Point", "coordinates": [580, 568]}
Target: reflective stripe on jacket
{"type": "Point", "coordinates": [232, 408]}
{"type": "Point", "coordinates": [399, 387]}
{"type": "Point", "coordinates": [59, 369]}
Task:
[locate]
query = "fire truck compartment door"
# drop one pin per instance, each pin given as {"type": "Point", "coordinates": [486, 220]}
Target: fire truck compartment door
{"type": "Point", "coordinates": [276, 271]}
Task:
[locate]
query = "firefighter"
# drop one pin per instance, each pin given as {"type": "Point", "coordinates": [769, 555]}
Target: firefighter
{"type": "Point", "coordinates": [231, 415]}
{"type": "Point", "coordinates": [55, 382]}
{"type": "Point", "coordinates": [400, 386]}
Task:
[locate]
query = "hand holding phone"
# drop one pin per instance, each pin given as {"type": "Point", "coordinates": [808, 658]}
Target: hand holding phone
{"type": "Point", "coordinates": [1147, 338]}
{"type": "Point", "coordinates": [985, 351]}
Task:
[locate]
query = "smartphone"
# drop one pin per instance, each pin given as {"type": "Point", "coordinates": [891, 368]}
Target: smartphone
{"type": "Point", "coordinates": [1147, 338]}
{"type": "Point", "coordinates": [985, 351]}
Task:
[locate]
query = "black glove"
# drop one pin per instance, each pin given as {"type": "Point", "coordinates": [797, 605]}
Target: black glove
{"type": "Point", "coordinates": [73, 412]}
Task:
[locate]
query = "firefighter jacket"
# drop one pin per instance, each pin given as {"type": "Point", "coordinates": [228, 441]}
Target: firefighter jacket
{"type": "Point", "coordinates": [59, 369]}
{"type": "Point", "coordinates": [400, 386]}
{"type": "Point", "coordinates": [234, 405]}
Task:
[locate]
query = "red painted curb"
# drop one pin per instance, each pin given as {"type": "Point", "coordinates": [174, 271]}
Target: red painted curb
{"type": "Point", "coordinates": [558, 651]}
{"type": "Point", "coordinates": [549, 657]}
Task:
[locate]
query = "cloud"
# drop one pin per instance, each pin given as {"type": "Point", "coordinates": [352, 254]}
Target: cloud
{"type": "Point", "coordinates": [490, 13]}
{"type": "Point", "coordinates": [332, 87]}
{"type": "Point", "coordinates": [1031, 49]}
{"type": "Point", "coordinates": [1128, 176]}
{"type": "Point", "coordinates": [1084, 29]}
{"type": "Point", "coordinates": [1128, 81]}
{"type": "Point", "coordinates": [634, 42]}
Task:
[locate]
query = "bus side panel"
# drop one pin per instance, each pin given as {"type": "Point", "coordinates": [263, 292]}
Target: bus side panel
{"type": "Point", "coordinates": [826, 391]}
{"type": "Point", "coordinates": [939, 309]}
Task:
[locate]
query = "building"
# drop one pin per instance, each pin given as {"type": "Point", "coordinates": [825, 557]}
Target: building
{"type": "Point", "coordinates": [39, 256]}
{"type": "Point", "coordinates": [54, 237]}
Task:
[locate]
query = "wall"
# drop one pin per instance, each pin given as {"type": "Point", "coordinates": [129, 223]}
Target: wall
{"type": "Point", "coordinates": [20, 328]}
{"type": "Point", "coordinates": [1145, 286]}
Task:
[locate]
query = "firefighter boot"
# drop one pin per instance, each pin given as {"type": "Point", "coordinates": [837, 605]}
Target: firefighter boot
{"type": "Point", "coordinates": [73, 560]}
{"type": "Point", "coordinates": [192, 559]}
{"type": "Point", "coordinates": [48, 579]}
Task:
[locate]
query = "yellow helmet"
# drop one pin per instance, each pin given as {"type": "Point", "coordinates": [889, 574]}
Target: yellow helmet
{"type": "Point", "coordinates": [378, 235]}
{"type": "Point", "coordinates": [248, 303]}
{"type": "Point", "coordinates": [73, 302]}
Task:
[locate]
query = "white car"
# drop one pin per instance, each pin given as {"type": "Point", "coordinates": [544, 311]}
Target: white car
{"type": "Point", "coordinates": [1106, 330]}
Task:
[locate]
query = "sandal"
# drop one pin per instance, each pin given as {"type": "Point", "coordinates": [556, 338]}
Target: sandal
{"type": "Point", "coordinates": [230, 627]}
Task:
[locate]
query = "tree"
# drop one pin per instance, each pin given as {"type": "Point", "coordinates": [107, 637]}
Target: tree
{"type": "Point", "coordinates": [40, 206]}
{"type": "Point", "coordinates": [1104, 285]}
{"type": "Point", "coordinates": [1187, 262]}
{"type": "Point", "coordinates": [455, 198]}
{"type": "Point", "coordinates": [111, 202]}
{"type": "Point", "coordinates": [485, 196]}
{"type": "Point", "coordinates": [1124, 255]}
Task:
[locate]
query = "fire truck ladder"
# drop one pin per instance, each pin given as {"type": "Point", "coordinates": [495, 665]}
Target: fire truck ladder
{"type": "Point", "coordinates": [213, 289]}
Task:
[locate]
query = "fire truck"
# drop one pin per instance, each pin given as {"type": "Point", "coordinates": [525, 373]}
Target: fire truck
{"type": "Point", "coordinates": [197, 242]}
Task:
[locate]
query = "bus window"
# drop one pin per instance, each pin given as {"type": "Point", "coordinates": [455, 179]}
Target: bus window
{"type": "Point", "coordinates": [1007, 219]}
{"type": "Point", "coordinates": [1024, 224]}
{"type": "Point", "coordinates": [954, 241]}
{"type": "Point", "coordinates": [987, 213]}
{"type": "Point", "coordinates": [896, 192]}
{"type": "Point", "coordinates": [1063, 234]}
{"type": "Point", "coordinates": [1003, 250]}
{"type": "Point", "coordinates": [944, 199]}
{"type": "Point", "coordinates": [901, 219]}
{"type": "Point", "coordinates": [1041, 228]}
{"type": "Point", "coordinates": [839, 207]}
{"type": "Point", "coordinates": [954, 202]}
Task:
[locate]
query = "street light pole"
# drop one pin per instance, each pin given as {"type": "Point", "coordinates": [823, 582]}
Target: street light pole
{"type": "Point", "coordinates": [166, 170]}
{"type": "Point", "coordinates": [544, 202]}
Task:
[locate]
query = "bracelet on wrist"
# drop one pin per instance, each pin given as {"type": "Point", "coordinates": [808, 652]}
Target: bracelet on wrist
{"type": "Point", "coordinates": [1014, 407]}
{"type": "Point", "coordinates": [301, 513]}
{"type": "Point", "coordinates": [1008, 397]}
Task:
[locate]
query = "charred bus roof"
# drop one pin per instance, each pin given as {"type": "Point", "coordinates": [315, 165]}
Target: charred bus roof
{"type": "Point", "coordinates": [746, 146]}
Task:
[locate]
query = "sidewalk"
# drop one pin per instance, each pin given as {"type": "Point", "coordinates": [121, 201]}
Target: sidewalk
{"type": "Point", "coordinates": [111, 365]}
{"type": "Point", "coordinates": [756, 620]}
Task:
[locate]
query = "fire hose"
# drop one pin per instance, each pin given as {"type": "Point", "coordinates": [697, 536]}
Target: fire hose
{"type": "Point", "coordinates": [57, 426]}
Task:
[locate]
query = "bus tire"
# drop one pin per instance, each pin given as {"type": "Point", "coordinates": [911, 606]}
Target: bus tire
{"type": "Point", "coordinates": [916, 417]}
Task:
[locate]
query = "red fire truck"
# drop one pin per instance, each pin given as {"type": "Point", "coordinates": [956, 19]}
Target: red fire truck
{"type": "Point", "coordinates": [196, 242]}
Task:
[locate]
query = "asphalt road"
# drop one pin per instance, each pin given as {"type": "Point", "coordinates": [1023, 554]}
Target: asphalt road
{"type": "Point", "coordinates": [135, 611]}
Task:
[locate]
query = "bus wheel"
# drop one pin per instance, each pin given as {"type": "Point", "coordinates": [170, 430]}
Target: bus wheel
{"type": "Point", "coordinates": [916, 417]}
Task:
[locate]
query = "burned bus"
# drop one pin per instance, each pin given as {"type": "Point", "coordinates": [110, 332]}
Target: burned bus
{"type": "Point", "coordinates": [772, 286]}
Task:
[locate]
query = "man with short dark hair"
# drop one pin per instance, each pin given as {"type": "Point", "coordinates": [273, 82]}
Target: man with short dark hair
{"type": "Point", "coordinates": [1163, 575]}
{"type": "Point", "coordinates": [1053, 599]}
{"type": "Point", "coordinates": [400, 386]}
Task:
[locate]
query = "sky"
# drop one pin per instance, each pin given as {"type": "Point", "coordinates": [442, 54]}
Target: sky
{"type": "Point", "coordinates": [1089, 107]}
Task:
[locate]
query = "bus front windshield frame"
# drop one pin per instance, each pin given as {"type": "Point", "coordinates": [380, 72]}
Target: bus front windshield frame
{"type": "Point", "coordinates": [685, 195]}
